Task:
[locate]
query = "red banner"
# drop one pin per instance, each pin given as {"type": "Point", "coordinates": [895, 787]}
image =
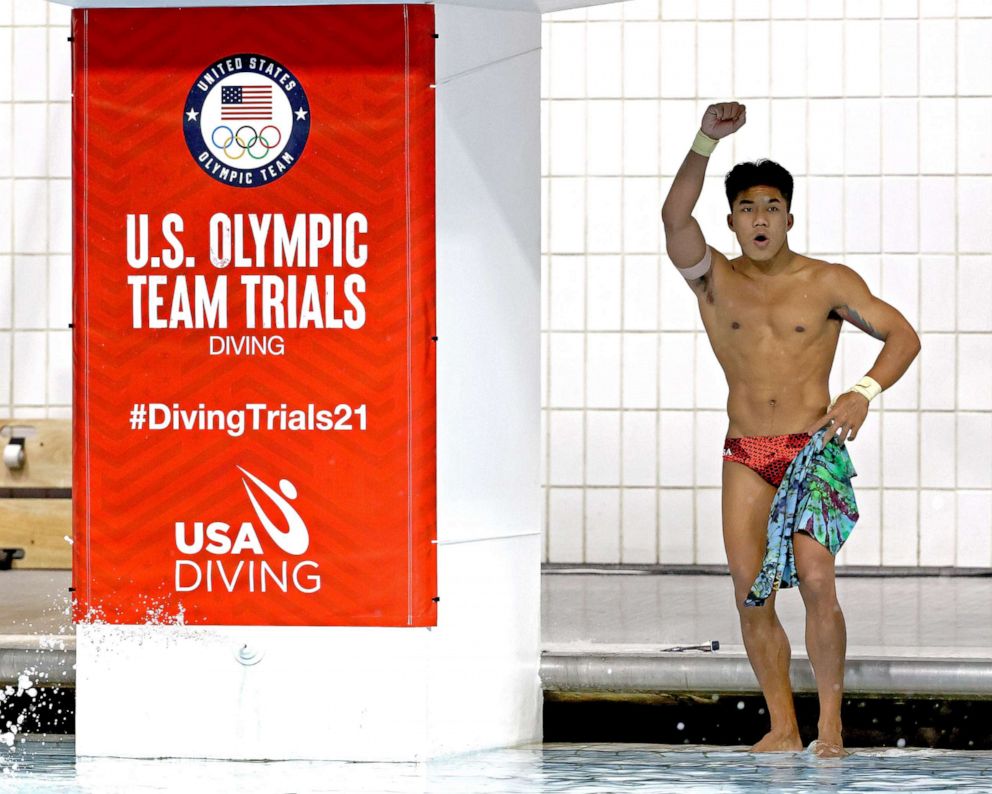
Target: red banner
{"type": "Point", "coordinates": [254, 316]}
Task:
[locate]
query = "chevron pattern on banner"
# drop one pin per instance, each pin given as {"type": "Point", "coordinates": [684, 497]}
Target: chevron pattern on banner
{"type": "Point", "coordinates": [255, 421]}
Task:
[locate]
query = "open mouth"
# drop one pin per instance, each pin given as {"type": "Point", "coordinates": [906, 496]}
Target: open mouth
{"type": "Point", "coordinates": [761, 239]}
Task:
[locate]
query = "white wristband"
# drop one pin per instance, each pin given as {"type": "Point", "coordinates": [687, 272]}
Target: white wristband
{"type": "Point", "coordinates": [703, 144]}
{"type": "Point", "coordinates": [867, 387]}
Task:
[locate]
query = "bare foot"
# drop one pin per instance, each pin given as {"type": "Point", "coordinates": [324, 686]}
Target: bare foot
{"type": "Point", "coordinates": [827, 748]}
{"type": "Point", "coordinates": [773, 742]}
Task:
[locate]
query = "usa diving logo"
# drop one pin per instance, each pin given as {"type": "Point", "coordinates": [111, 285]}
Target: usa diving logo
{"type": "Point", "coordinates": [246, 120]}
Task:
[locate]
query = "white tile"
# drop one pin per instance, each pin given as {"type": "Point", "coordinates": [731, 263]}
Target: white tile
{"type": "Point", "coordinates": [974, 140]}
{"type": "Point", "coordinates": [59, 14]}
{"type": "Point", "coordinates": [30, 140]}
{"type": "Point", "coordinates": [899, 58]}
{"type": "Point", "coordinates": [678, 9]}
{"type": "Point", "coordinates": [603, 525]}
{"type": "Point", "coordinates": [826, 129]}
{"type": "Point", "coordinates": [5, 354]}
{"type": "Point", "coordinates": [826, 202]}
{"type": "Point", "coordinates": [6, 209]}
{"type": "Point", "coordinates": [900, 455]}
{"type": "Point", "coordinates": [866, 449]}
{"type": "Point", "coordinates": [975, 372]}
{"type": "Point", "coordinates": [789, 67]}
{"type": "Point", "coordinates": [937, 371]}
{"type": "Point", "coordinates": [937, 135]}
{"type": "Point", "coordinates": [6, 12]}
{"type": "Point", "coordinates": [900, 8]}
{"type": "Point", "coordinates": [605, 215]}
{"type": "Point", "coordinates": [711, 432]}
{"type": "Point", "coordinates": [640, 370]}
{"type": "Point", "coordinates": [566, 448]}
{"type": "Point", "coordinates": [640, 9]}
{"type": "Point", "coordinates": [602, 448]}
{"type": "Point", "coordinates": [567, 216]}
{"type": "Point", "coordinates": [639, 542]}
{"type": "Point", "coordinates": [640, 448]}
{"type": "Point", "coordinates": [788, 9]}
{"type": "Point", "coordinates": [59, 145]}
{"type": "Point", "coordinates": [937, 57]}
{"type": "Point", "coordinates": [642, 215]}
{"type": "Point", "coordinates": [29, 12]}
{"type": "Point", "coordinates": [606, 12]}
{"type": "Point", "coordinates": [753, 9]}
{"type": "Point", "coordinates": [677, 362]}
{"type": "Point", "coordinates": [678, 53]}
{"type": "Point", "coordinates": [60, 368]}
{"type": "Point", "coordinates": [709, 529]}
{"type": "Point", "coordinates": [974, 454]}
{"type": "Point", "coordinates": [567, 293]}
{"type": "Point", "coordinates": [605, 138]}
{"type": "Point", "coordinates": [641, 62]}
{"type": "Point", "coordinates": [716, 9]}
{"type": "Point", "coordinates": [862, 136]}
{"type": "Point", "coordinates": [789, 134]}
{"type": "Point", "coordinates": [568, 61]}
{"type": "Point", "coordinates": [713, 59]}
{"type": "Point", "coordinates": [568, 137]}
{"type": "Point", "coordinates": [640, 137]}
{"type": "Point", "coordinates": [567, 370]}
{"type": "Point", "coordinates": [863, 547]}
{"type": "Point", "coordinates": [679, 308]}
{"type": "Point", "coordinates": [603, 370]}
{"type": "Point", "coordinates": [751, 59]}
{"type": "Point", "coordinates": [679, 123]}
{"type": "Point", "coordinates": [6, 80]}
{"type": "Point", "coordinates": [971, 8]}
{"type": "Point", "coordinates": [545, 292]}
{"type": "Point", "coordinates": [30, 216]}
{"type": "Point", "coordinates": [938, 302]}
{"type": "Point", "coordinates": [900, 528]}
{"type": "Point", "coordinates": [604, 77]}
{"type": "Point", "coordinates": [545, 213]}
{"type": "Point", "coordinates": [544, 381]}
{"type": "Point", "coordinates": [860, 352]}
{"type": "Point", "coordinates": [59, 65]}
{"type": "Point", "coordinates": [752, 141]}
{"type": "Point", "coordinates": [676, 450]}
{"type": "Point", "coordinates": [711, 383]}
{"type": "Point", "coordinates": [676, 519]}
{"type": "Point", "coordinates": [974, 514]}
{"type": "Point", "coordinates": [711, 211]}
{"type": "Point", "coordinates": [6, 152]}
{"type": "Point", "coordinates": [30, 64]}
{"type": "Point", "coordinates": [565, 525]}
{"type": "Point", "coordinates": [974, 57]}
{"type": "Point", "coordinates": [862, 67]}
{"type": "Point", "coordinates": [6, 294]}
{"type": "Point", "coordinates": [901, 285]}
{"type": "Point", "coordinates": [825, 43]}
{"type": "Point", "coordinates": [975, 293]}
{"type": "Point", "coordinates": [640, 293]}
{"type": "Point", "coordinates": [869, 267]}
{"type": "Point", "coordinates": [827, 9]}
{"type": "Point", "coordinates": [939, 217]}
{"type": "Point", "coordinates": [60, 216]}
{"type": "Point", "coordinates": [974, 210]}
{"type": "Point", "coordinates": [938, 524]}
{"type": "Point", "coordinates": [862, 214]}
{"type": "Point", "coordinates": [603, 274]}
{"type": "Point", "coordinates": [938, 443]}
{"type": "Point", "coordinates": [29, 368]}
{"type": "Point", "coordinates": [30, 292]}
{"type": "Point", "coordinates": [899, 136]}
{"type": "Point", "coordinates": [899, 214]}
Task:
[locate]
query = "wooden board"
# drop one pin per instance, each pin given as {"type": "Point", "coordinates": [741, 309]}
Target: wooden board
{"type": "Point", "coordinates": [40, 527]}
{"type": "Point", "coordinates": [48, 455]}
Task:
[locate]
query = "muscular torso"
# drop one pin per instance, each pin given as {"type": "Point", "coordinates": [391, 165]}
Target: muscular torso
{"type": "Point", "coordinates": [775, 338]}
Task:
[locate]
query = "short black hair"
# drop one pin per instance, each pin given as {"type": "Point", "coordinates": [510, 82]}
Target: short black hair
{"type": "Point", "coordinates": [760, 172]}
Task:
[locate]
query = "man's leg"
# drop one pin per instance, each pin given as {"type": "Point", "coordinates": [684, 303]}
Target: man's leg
{"type": "Point", "coordinates": [747, 498]}
{"type": "Point", "coordinates": [826, 636]}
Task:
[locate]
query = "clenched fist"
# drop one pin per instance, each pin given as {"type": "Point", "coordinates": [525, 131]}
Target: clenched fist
{"type": "Point", "coordinates": [723, 118]}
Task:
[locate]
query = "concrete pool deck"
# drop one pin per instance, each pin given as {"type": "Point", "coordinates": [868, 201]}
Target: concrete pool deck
{"type": "Point", "coordinates": [604, 632]}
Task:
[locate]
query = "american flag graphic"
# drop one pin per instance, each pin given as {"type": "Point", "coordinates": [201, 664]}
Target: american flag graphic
{"type": "Point", "coordinates": [246, 102]}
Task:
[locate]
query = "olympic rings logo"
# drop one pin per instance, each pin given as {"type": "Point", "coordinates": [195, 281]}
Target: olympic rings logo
{"type": "Point", "coordinates": [257, 146]}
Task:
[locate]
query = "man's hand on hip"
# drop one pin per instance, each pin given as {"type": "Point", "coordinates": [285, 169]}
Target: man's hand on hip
{"type": "Point", "coordinates": [844, 419]}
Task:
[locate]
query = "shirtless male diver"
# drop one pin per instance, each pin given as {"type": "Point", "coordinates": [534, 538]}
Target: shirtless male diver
{"type": "Point", "coordinates": [773, 318]}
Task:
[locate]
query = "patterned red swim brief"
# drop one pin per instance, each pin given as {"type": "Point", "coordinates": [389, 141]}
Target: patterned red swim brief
{"type": "Point", "coordinates": [769, 456]}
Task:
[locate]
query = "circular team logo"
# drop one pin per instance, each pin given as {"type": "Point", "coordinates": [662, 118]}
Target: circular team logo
{"type": "Point", "coordinates": [246, 120]}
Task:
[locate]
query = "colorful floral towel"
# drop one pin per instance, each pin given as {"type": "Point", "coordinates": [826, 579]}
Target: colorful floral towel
{"type": "Point", "coordinates": [815, 497]}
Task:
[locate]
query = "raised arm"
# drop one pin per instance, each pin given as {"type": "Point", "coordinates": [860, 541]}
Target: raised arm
{"type": "Point", "coordinates": [683, 238]}
{"type": "Point", "coordinates": [852, 300]}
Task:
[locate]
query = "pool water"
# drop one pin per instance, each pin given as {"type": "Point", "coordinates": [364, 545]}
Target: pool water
{"type": "Point", "coordinates": [39, 766]}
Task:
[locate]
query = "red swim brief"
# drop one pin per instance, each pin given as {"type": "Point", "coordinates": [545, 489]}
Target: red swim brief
{"type": "Point", "coordinates": [769, 456]}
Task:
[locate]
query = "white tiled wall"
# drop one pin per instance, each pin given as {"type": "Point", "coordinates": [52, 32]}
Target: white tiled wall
{"type": "Point", "coordinates": [883, 113]}
{"type": "Point", "coordinates": [35, 215]}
